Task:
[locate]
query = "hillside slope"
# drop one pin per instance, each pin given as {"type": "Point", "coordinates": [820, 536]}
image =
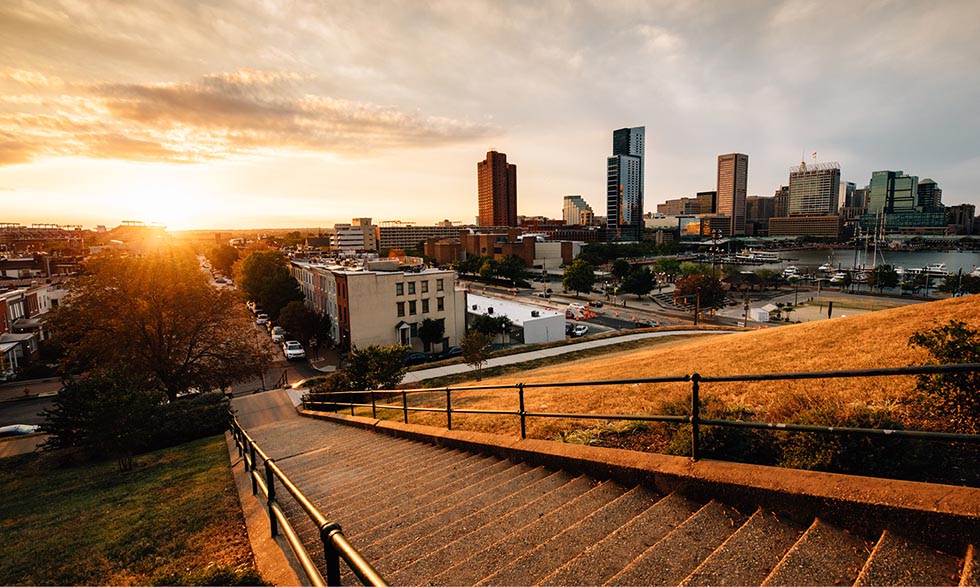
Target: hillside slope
{"type": "Point", "coordinates": [873, 340]}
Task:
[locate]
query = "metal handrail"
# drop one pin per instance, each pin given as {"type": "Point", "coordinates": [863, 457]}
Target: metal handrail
{"type": "Point", "coordinates": [314, 399]}
{"type": "Point", "coordinates": [335, 544]}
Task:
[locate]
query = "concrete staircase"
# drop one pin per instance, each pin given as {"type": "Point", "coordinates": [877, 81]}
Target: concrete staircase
{"type": "Point", "coordinates": [425, 515]}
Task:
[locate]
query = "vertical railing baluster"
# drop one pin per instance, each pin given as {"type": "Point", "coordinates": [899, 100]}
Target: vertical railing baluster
{"type": "Point", "coordinates": [449, 409]}
{"type": "Point", "coordinates": [252, 467]}
{"type": "Point", "coordinates": [405, 404]}
{"type": "Point", "coordinates": [330, 555]}
{"type": "Point", "coordinates": [520, 394]}
{"type": "Point", "coordinates": [270, 482]}
{"type": "Point", "coordinates": [695, 416]}
{"type": "Point", "coordinates": [374, 406]}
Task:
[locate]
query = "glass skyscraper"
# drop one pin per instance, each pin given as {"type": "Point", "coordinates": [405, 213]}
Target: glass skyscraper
{"type": "Point", "coordinates": [624, 185]}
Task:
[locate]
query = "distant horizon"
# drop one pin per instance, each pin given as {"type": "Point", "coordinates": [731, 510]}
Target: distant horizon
{"type": "Point", "coordinates": [265, 115]}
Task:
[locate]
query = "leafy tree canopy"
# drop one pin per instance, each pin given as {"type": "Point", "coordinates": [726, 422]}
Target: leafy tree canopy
{"type": "Point", "coordinates": [883, 276]}
{"type": "Point", "coordinates": [621, 268]}
{"type": "Point", "coordinates": [376, 367]}
{"type": "Point", "coordinates": [156, 316]}
{"type": "Point", "coordinates": [712, 291]}
{"type": "Point", "coordinates": [223, 258]}
{"type": "Point", "coordinates": [639, 282]}
{"type": "Point", "coordinates": [431, 331]}
{"type": "Point", "coordinates": [491, 325]}
{"type": "Point", "coordinates": [960, 284]}
{"type": "Point", "coordinates": [579, 276]}
{"type": "Point", "coordinates": [264, 276]}
{"type": "Point", "coordinates": [952, 399]}
{"type": "Point", "coordinates": [303, 323]}
{"type": "Point", "coordinates": [475, 347]}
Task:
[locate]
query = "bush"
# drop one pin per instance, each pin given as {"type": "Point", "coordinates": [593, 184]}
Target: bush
{"type": "Point", "coordinates": [187, 419]}
{"type": "Point", "coordinates": [878, 456]}
{"type": "Point", "coordinates": [744, 445]}
{"type": "Point", "coordinates": [951, 400]}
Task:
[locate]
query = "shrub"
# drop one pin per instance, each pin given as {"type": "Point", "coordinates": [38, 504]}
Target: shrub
{"type": "Point", "coordinates": [187, 419]}
{"type": "Point", "coordinates": [721, 442]}
{"type": "Point", "coordinates": [951, 400]}
{"type": "Point", "coordinates": [846, 453]}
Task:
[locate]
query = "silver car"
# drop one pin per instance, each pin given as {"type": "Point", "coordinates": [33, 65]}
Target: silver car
{"type": "Point", "coordinates": [292, 349]}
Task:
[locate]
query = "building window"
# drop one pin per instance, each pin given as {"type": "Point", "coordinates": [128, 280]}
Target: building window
{"type": "Point", "coordinates": [411, 287]}
{"type": "Point", "coordinates": [425, 286]}
{"type": "Point", "coordinates": [399, 289]}
{"type": "Point", "coordinates": [440, 304]}
{"type": "Point", "coordinates": [411, 307]}
{"type": "Point", "coordinates": [415, 330]}
{"type": "Point", "coordinates": [425, 306]}
{"type": "Point", "coordinates": [439, 285]}
{"type": "Point", "coordinates": [401, 308]}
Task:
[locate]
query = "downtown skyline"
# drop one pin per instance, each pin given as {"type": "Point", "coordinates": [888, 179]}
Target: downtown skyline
{"type": "Point", "coordinates": [215, 116]}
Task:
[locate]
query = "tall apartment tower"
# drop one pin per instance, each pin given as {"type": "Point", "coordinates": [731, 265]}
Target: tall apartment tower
{"type": "Point", "coordinates": [733, 178]}
{"type": "Point", "coordinates": [497, 190]}
{"type": "Point", "coordinates": [577, 211]}
{"type": "Point", "coordinates": [814, 190]}
{"type": "Point", "coordinates": [624, 185]}
{"type": "Point", "coordinates": [930, 195]}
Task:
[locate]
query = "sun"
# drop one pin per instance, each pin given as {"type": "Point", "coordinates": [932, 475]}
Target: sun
{"type": "Point", "coordinates": [168, 200]}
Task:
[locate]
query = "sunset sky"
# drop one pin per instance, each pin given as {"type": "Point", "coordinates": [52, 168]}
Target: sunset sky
{"type": "Point", "coordinates": [225, 114]}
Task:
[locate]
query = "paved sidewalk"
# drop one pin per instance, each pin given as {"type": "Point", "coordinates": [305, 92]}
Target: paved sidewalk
{"type": "Point", "coordinates": [423, 374]}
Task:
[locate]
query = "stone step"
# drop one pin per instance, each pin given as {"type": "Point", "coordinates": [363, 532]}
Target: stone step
{"type": "Point", "coordinates": [417, 507]}
{"type": "Point", "coordinates": [678, 553]}
{"type": "Point", "coordinates": [897, 561]}
{"type": "Point", "coordinates": [439, 512]}
{"type": "Point", "coordinates": [449, 527]}
{"type": "Point", "coordinates": [487, 562]}
{"type": "Point", "coordinates": [543, 560]}
{"type": "Point", "coordinates": [970, 576]}
{"type": "Point", "coordinates": [423, 570]}
{"type": "Point", "coordinates": [613, 552]}
{"type": "Point", "coordinates": [749, 555]}
{"type": "Point", "coordinates": [376, 487]}
{"type": "Point", "coordinates": [823, 555]}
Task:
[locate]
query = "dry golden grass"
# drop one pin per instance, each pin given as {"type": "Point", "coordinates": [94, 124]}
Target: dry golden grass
{"type": "Point", "coordinates": [873, 340]}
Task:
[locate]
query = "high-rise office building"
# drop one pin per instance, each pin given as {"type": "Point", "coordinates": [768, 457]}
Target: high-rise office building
{"type": "Point", "coordinates": [577, 211]}
{"type": "Point", "coordinates": [624, 185]}
{"type": "Point", "coordinates": [497, 190]}
{"type": "Point", "coordinates": [707, 202]}
{"type": "Point", "coordinates": [814, 190]}
{"type": "Point", "coordinates": [758, 211]}
{"type": "Point", "coordinates": [733, 176]}
{"type": "Point", "coordinates": [892, 191]}
{"type": "Point", "coordinates": [846, 196]}
{"type": "Point", "coordinates": [780, 202]}
{"type": "Point", "coordinates": [930, 195]}
{"type": "Point", "coordinates": [893, 205]}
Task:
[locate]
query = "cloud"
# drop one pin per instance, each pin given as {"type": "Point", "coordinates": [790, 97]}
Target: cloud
{"type": "Point", "coordinates": [221, 115]}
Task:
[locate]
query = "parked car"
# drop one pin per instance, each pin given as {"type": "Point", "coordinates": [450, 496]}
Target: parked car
{"type": "Point", "coordinates": [451, 352]}
{"type": "Point", "coordinates": [595, 303]}
{"type": "Point", "coordinates": [278, 334]}
{"type": "Point", "coordinates": [292, 349]}
{"type": "Point", "coordinates": [569, 328]}
{"type": "Point", "coordinates": [261, 319]}
{"type": "Point", "coordinates": [417, 359]}
{"type": "Point", "coordinates": [580, 330]}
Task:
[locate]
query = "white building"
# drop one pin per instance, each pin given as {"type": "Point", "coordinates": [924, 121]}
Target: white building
{"type": "Point", "coordinates": [381, 303]}
{"type": "Point", "coordinates": [577, 211]}
{"type": "Point", "coordinates": [533, 324]}
{"type": "Point", "coordinates": [359, 235]}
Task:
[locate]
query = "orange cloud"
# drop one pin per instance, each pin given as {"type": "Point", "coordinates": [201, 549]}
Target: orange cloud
{"type": "Point", "coordinates": [220, 116]}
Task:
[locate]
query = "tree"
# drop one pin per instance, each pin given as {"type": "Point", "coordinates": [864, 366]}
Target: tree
{"type": "Point", "coordinates": [710, 290]}
{"type": "Point", "coordinates": [156, 316]}
{"type": "Point", "coordinates": [488, 268]}
{"type": "Point", "coordinates": [621, 268]}
{"type": "Point", "coordinates": [264, 276]}
{"type": "Point", "coordinates": [109, 414]}
{"type": "Point", "coordinates": [376, 367]}
{"type": "Point", "coordinates": [848, 281]}
{"type": "Point", "coordinates": [431, 331]}
{"type": "Point", "coordinates": [300, 321]}
{"type": "Point", "coordinates": [953, 399]}
{"type": "Point", "coordinates": [668, 267]}
{"type": "Point", "coordinates": [639, 282]}
{"type": "Point", "coordinates": [475, 347]}
{"type": "Point", "coordinates": [579, 277]}
{"type": "Point", "coordinates": [883, 276]}
{"type": "Point", "coordinates": [960, 284]}
{"type": "Point", "coordinates": [490, 325]}
{"type": "Point", "coordinates": [512, 268]}
{"type": "Point", "coordinates": [223, 257]}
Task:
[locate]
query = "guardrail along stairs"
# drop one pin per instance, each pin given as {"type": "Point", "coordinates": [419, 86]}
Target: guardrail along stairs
{"type": "Point", "coordinates": [424, 515]}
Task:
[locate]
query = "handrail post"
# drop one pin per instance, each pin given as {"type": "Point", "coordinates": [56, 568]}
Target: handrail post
{"type": "Point", "coordinates": [270, 482]}
{"type": "Point", "coordinates": [330, 555]}
{"type": "Point", "coordinates": [350, 398]}
{"type": "Point", "coordinates": [520, 395]}
{"type": "Point", "coordinates": [374, 406]}
{"type": "Point", "coordinates": [449, 409]}
{"type": "Point", "coordinates": [405, 404]}
{"type": "Point", "coordinates": [251, 471]}
{"type": "Point", "coordinates": [695, 416]}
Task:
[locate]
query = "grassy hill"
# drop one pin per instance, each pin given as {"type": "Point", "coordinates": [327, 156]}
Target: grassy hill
{"type": "Point", "coordinates": [873, 340]}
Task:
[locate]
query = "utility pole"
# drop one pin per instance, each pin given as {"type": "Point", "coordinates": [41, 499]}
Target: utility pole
{"type": "Point", "coordinates": [745, 308]}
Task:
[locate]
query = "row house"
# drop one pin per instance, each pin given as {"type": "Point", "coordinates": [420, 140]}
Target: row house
{"type": "Point", "coordinates": [21, 322]}
{"type": "Point", "coordinates": [383, 303]}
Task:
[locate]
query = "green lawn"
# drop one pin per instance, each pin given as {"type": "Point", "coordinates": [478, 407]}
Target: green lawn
{"type": "Point", "coordinates": [174, 519]}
